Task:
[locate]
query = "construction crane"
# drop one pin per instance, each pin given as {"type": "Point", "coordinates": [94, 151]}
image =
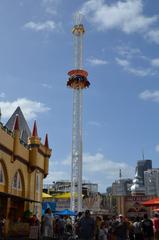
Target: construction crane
{"type": "Point", "coordinates": [77, 81]}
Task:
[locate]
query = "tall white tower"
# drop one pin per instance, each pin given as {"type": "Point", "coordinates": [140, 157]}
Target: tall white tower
{"type": "Point", "coordinates": [77, 81]}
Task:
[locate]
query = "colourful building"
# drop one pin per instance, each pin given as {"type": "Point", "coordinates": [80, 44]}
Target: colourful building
{"type": "Point", "coordinates": [24, 162]}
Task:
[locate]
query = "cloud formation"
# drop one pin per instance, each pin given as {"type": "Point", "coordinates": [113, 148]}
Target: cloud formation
{"type": "Point", "coordinates": [50, 6]}
{"type": "Point", "coordinates": [153, 35]}
{"type": "Point", "coordinates": [96, 169]}
{"type": "Point", "coordinates": [127, 16]}
{"type": "Point", "coordinates": [155, 62]}
{"type": "Point", "coordinates": [150, 95]}
{"type": "Point", "coordinates": [96, 61]}
{"type": "Point", "coordinates": [30, 108]}
{"type": "Point", "coordinates": [130, 58]}
{"type": "Point", "coordinates": [98, 166]}
{"type": "Point", "coordinates": [48, 26]}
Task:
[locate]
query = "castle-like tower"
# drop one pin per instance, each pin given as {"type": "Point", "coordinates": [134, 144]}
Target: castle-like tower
{"type": "Point", "coordinates": [77, 81]}
{"type": "Point", "coordinates": [24, 161]}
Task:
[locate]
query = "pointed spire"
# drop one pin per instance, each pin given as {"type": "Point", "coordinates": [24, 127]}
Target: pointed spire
{"type": "Point", "coordinates": [16, 123]}
{"type": "Point", "coordinates": [35, 132]}
{"type": "Point", "coordinates": [46, 141]}
{"type": "Point", "coordinates": [120, 174]}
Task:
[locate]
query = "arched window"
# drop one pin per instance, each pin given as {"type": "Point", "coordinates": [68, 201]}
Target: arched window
{"type": "Point", "coordinates": [17, 183]}
{"type": "Point", "coordinates": [2, 180]}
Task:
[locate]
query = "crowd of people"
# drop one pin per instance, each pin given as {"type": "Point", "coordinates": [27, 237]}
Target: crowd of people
{"type": "Point", "coordinates": [87, 227]}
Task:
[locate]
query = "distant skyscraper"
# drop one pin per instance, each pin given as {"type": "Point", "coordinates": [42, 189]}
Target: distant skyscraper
{"type": "Point", "coordinates": [151, 178]}
{"type": "Point", "coordinates": [143, 165]}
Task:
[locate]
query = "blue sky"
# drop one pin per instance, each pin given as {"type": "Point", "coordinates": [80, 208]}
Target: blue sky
{"type": "Point", "coordinates": [121, 54]}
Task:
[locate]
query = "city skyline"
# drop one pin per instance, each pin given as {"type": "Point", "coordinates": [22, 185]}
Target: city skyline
{"type": "Point", "coordinates": [120, 118]}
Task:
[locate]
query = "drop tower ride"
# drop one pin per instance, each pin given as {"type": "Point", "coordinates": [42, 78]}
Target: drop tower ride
{"type": "Point", "coordinates": [77, 81]}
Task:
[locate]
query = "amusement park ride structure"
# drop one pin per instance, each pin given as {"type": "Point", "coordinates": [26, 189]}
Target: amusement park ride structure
{"type": "Point", "coordinates": [77, 81]}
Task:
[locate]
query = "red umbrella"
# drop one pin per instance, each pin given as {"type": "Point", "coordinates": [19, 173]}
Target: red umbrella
{"type": "Point", "coordinates": [151, 202]}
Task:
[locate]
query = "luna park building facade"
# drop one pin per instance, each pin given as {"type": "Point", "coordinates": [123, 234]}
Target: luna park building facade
{"type": "Point", "coordinates": [24, 162]}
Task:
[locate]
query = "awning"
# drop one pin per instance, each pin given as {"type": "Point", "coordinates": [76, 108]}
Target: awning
{"type": "Point", "coordinates": [151, 202]}
{"type": "Point", "coordinates": [66, 195]}
{"type": "Point", "coordinates": [66, 212]}
{"type": "Point", "coordinates": [45, 195]}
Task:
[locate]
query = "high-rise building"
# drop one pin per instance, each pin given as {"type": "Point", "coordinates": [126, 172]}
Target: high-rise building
{"type": "Point", "coordinates": [143, 165]}
{"type": "Point", "coordinates": [151, 178]}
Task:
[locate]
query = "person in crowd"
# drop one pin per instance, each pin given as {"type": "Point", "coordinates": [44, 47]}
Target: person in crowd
{"type": "Point", "coordinates": [155, 221]}
{"type": "Point", "coordinates": [86, 227]}
{"type": "Point", "coordinates": [147, 227]}
{"type": "Point", "coordinates": [76, 225]}
{"type": "Point", "coordinates": [103, 231]}
{"type": "Point", "coordinates": [68, 228]}
{"type": "Point", "coordinates": [97, 226]}
{"type": "Point", "coordinates": [138, 229]}
{"type": "Point", "coordinates": [130, 229]}
{"type": "Point", "coordinates": [34, 232]}
{"type": "Point", "coordinates": [61, 227]}
{"type": "Point", "coordinates": [47, 223]}
{"type": "Point", "coordinates": [121, 229]}
{"type": "Point", "coordinates": [112, 228]}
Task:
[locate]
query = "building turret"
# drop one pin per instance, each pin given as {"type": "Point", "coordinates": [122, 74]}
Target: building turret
{"type": "Point", "coordinates": [34, 143]}
{"type": "Point", "coordinates": [16, 135]}
{"type": "Point", "coordinates": [47, 156]}
{"type": "Point", "coordinates": [34, 139]}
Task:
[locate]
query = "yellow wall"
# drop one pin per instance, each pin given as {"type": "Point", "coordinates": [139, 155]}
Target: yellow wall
{"type": "Point", "coordinates": [29, 162]}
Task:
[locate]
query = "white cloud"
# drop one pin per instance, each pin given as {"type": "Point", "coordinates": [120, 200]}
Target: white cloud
{"type": "Point", "coordinates": [122, 62]}
{"type": "Point", "coordinates": [129, 52]}
{"type": "Point", "coordinates": [45, 85]}
{"type": "Point", "coordinates": [141, 72]}
{"type": "Point", "coordinates": [155, 62]}
{"type": "Point", "coordinates": [96, 61]}
{"type": "Point", "coordinates": [96, 168]}
{"type": "Point", "coordinates": [2, 95]}
{"type": "Point", "coordinates": [124, 15]}
{"type": "Point", "coordinates": [41, 26]}
{"type": "Point", "coordinates": [150, 95]}
{"type": "Point", "coordinates": [30, 108]}
{"type": "Point", "coordinates": [137, 71]}
{"type": "Point", "coordinates": [51, 6]}
{"type": "Point", "coordinates": [157, 148]}
{"type": "Point", "coordinates": [133, 61]}
{"type": "Point", "coordinates": [98, 163]}
{"type": "Point", "coordinates": [153, 35]}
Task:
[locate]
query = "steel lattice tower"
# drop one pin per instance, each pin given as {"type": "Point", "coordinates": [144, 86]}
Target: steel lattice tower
{"type": "Point", "coordinates": [77, 81]}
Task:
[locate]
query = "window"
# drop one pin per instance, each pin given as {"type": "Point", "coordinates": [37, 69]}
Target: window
{"type": "Point", "coordinates": [1, 174]}
{"type": "Point", "coordinates": [38, 183]}
{"type": "Point", "coordinates": [17, 181]}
